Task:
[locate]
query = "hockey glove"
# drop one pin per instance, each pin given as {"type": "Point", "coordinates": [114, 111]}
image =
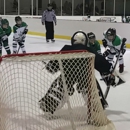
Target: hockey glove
{"type": "Point", "coordinates": [5, 37]}
{"type": "Point", "coordinates": [106, 53]}
{"type": "Point", "coordinates": [104, 42]}
{"type": "Point", "coordinates": [25, 31]}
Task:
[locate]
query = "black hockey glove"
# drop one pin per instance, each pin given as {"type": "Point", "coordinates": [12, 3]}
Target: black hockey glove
{"type": "Point", "coordinates": [104, 42]}
{"type": "Point", "coordinates": [25, 31]}
{"type": "Point", "coordinates": [106, 53]}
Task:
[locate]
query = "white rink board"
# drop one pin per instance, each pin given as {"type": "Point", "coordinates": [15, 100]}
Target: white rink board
{"type": "Point", "coordinates": [67, 25]}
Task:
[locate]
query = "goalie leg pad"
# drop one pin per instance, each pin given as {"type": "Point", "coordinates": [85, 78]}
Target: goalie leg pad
{"type": "Point", "coordinates": [55, 97]}
{"type": "Point", "coordinates": [51, 100]}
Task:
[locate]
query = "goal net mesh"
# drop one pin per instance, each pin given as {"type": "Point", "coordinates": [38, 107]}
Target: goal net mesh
{"type": "Point", "coordinates": [50, 91]}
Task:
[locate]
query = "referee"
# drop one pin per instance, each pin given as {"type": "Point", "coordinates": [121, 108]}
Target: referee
{"type": "Point", "coordinates": [48, 19]}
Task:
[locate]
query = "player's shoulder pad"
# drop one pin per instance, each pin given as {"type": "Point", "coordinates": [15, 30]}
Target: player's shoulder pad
{"type": "Point", "coordinates": [24, 24]}
{"type": "Point", "coordinates": [15, 26]}
{"type": "Point", "coordinates": [9, 27]}
{"type": "Point", "coordinates": [117, 40]}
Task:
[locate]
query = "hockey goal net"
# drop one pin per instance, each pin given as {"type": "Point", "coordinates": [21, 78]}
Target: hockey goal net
{"type": "Point", "coordinates": [50, 91]}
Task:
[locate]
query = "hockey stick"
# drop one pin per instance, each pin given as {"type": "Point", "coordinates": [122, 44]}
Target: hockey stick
{"type": "Point", "coordinates": [18, 49]}
{"type": "Point", "coordinates": [120, 80]}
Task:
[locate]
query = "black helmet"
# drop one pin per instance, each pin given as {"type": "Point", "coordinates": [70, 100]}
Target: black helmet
{"type": "Point", "coordinates": [49, 5]}
{"type": "Point", "coordinates": [91, 35]}
{"type": "Point", "coordinates": [111, 32]}
{"type": "Point", "coordinates": [18, 18]}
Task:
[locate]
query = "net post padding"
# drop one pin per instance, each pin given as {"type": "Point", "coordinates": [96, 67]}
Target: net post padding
{"type": "Point", "coordinates": [62, 96]}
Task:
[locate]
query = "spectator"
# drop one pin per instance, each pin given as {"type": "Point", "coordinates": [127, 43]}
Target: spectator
{"type": "Point", "coordinates": [48, 19]}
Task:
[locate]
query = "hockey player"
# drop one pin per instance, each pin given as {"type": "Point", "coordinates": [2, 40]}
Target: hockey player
{"type": "Point", "coordinates": [20, 30]}
{"type": "Point", "coordinates": [55, 95]}
{"type": "Point", "coordinates": [93, 43]}
{"type": "Point", "coordinates": [5, 31]}
{"type": "Point", "coordinates": [114, 44]}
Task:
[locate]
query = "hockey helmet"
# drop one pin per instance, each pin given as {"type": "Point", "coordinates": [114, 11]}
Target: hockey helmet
{"type": "Point", "coordinates": [91, 37]}
{"type": "Point", "coordinates": [110, 34]}
{"type": "Point", "coordinates": [49, 5]}
{"type": "Point", "coordinates": [4, 23]}
{"type": "Point", "coordinates": [79, 37]}
{"type": "Point", "coordinates": [18, 19]}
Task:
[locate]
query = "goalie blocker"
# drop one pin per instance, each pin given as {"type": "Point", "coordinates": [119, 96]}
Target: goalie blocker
{"type": "Point", "coordinates": [55, 98]}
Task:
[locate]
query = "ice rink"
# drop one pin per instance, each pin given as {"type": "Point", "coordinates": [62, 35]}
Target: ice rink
{"type": "Point", "coordinates": [118, 98]}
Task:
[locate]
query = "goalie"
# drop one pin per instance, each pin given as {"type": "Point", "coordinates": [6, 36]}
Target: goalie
{"type": "Point", "coordinates": [55, 98]}
{"type": "Point", "coordinates": [5, 31]}
{"type": "Point", "coordinates": [20, 30]}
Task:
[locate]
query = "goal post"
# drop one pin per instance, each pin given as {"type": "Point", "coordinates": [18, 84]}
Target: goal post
{"type": "Point", "coordinates": [50, 91]}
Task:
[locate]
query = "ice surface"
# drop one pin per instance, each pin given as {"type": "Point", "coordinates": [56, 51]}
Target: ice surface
{"type": "Point", "coordinates": [118, 98]}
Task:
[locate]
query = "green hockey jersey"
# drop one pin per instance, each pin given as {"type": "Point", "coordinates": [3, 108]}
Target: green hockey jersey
{"type": "Point", "coordinates": [4, 31]}
{"type": "Point", "coordinates": [95, 47]}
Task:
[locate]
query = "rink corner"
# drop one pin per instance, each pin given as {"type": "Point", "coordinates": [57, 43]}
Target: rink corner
{"type": "Point", "coordinates": [63, 37]}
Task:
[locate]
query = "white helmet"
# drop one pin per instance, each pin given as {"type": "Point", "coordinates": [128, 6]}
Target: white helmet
{"type": "Point", "coordinates": [79, 38]}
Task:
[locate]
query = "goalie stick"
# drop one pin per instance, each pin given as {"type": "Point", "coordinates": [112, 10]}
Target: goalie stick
{"type": "Point", "coordinates": [120, 80]}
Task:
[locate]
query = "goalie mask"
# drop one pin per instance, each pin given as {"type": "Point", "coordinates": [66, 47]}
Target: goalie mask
{"type": "Point", "coordinates": [18, 20]}
{"type": "Point", "coordinates": [79, 37]}
{"type": "Point", "coordinates": [110, 34]}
